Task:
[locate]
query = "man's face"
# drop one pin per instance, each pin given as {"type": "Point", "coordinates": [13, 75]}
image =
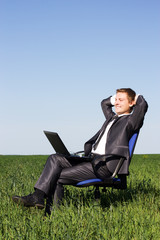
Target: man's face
{"type": "Point", "coordinates": [122, 104]}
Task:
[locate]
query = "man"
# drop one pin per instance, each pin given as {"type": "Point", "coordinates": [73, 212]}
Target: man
{"type": "Point", "coordinates": [104, 150]}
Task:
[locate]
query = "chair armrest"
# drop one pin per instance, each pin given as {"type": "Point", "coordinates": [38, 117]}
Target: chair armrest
{"type": "Point", "coordinates": [121, 161]}
{"type": "Point", "coordinates": [79, 152]}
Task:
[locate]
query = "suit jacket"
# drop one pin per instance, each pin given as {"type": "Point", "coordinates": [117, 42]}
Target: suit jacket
{"type": "Point", "coordinates": [120, 133]}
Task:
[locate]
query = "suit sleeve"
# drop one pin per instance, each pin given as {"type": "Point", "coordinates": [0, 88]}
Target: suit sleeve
{"type": "Point", "coordinates": [139, 111]}
{"type": "Point", "coordinates": [106, 105]}
{"type": "Point", "coordinates": [89, 143]}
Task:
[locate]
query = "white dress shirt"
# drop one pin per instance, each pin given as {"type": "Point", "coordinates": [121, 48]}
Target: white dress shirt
{"type": "Point", "coordinates": [102, 143]}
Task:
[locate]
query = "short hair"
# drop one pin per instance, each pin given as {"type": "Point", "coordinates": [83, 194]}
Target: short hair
{"type": "Point", "coordinates": [131, 93]}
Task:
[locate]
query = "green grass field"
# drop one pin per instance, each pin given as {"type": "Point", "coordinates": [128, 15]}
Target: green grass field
{"type": "Point", "coordinates": [128, 214]}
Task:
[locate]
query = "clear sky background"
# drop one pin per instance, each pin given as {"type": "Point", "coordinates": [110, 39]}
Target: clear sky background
{"type": "Point", "coordinates": [60, 58]}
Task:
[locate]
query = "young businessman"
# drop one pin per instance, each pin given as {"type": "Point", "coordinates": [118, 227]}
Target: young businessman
{"type": "Point", "coordinates": [104, 150]}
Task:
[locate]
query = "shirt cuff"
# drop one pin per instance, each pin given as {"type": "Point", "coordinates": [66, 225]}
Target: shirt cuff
{"type": "Point", "coordinates": [112, 99]}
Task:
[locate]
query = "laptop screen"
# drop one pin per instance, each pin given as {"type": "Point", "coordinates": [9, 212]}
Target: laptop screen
{"type": "Point", "coordinates": [56, 143]}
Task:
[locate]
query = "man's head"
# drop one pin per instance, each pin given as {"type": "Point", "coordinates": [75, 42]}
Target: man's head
{"type": "Point", "coordinates": [125, 99]}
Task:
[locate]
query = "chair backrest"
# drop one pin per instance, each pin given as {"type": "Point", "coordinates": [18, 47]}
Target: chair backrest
{"type": "Point", "coordinates": [132, 143]}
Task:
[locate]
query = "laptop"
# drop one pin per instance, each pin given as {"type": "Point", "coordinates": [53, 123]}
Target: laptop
{"type": "Point", "coordinates": [59, 146]}
{"type": "Point", "coordinates": [56, 143]}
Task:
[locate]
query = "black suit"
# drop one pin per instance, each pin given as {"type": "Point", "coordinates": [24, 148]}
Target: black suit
{"type": "Point", "coordinates": [60, 170]}
{"type": "Point", "coordinates": [121, 131]}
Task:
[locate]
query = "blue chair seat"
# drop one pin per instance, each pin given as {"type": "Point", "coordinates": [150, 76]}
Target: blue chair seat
{"type": "Point", "coordinates": [99, 182]}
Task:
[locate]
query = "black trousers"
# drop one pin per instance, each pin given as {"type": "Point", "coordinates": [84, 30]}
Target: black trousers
{"type": "Point", "coordinates": [59, 171]}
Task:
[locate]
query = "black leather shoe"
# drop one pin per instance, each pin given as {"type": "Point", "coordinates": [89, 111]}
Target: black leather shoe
{"type": "Point", "coordinates": [30, 200]}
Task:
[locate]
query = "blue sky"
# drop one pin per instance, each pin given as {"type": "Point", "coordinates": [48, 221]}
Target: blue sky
{"type": "Point", "coordinates": [60, 58]}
